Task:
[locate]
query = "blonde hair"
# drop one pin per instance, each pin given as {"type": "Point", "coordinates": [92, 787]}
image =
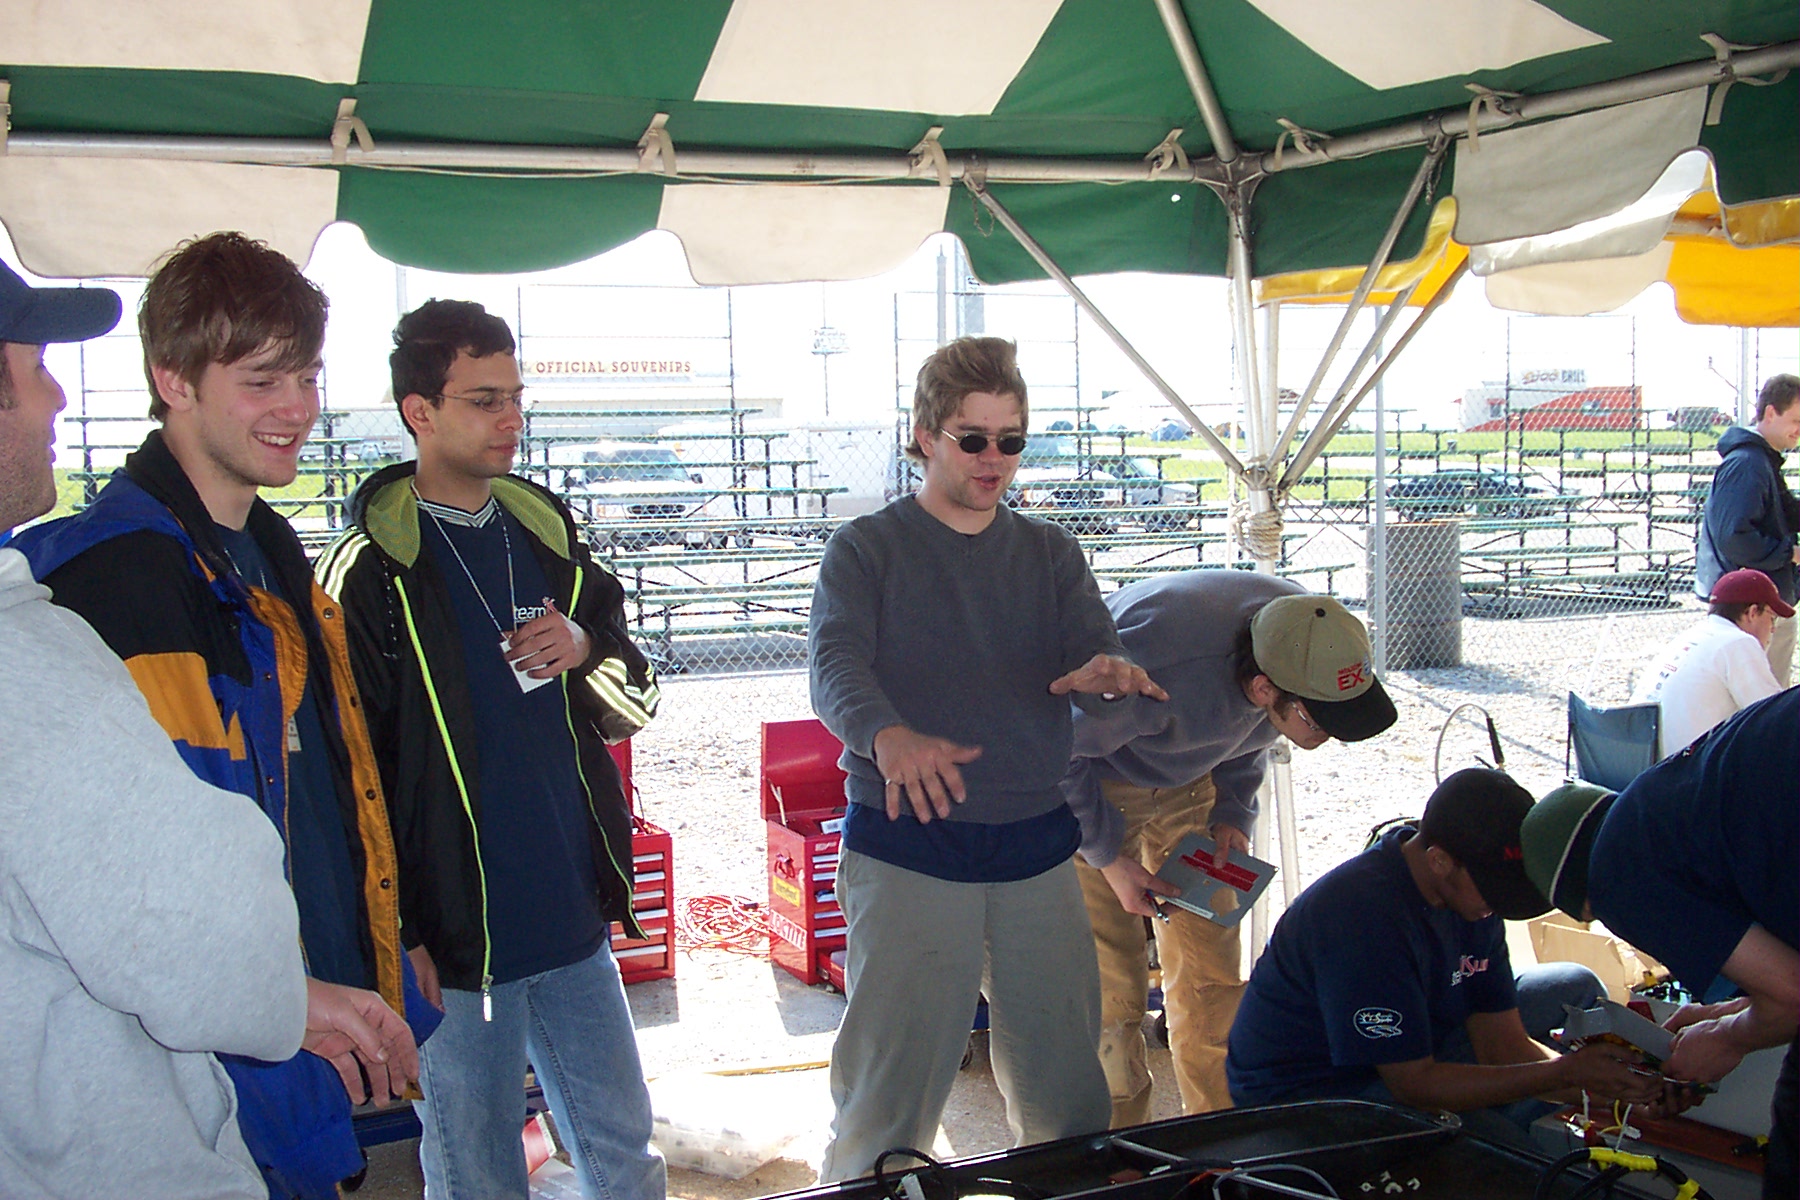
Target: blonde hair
{"type": "Point", "coordinates": [957, 369]}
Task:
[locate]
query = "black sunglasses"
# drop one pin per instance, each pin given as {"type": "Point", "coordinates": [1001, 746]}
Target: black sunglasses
{"type": "Point", "coordinates": [974, 443]}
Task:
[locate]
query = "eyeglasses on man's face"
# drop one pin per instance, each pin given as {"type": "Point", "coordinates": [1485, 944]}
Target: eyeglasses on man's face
{"type": "Point", "coordinates": [1011, 444]}
{"type": "Point", "coordinates": [1299, 709]}
{"type": "Point", "coordinates": [493, 401]}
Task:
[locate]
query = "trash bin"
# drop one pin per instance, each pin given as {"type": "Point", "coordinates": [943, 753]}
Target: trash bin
{"type": "Point", "coordinates": [1424, 594]}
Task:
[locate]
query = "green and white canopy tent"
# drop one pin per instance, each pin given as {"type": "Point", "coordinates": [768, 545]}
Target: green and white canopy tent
{"type": "Point", "coordinates": [824, 139]}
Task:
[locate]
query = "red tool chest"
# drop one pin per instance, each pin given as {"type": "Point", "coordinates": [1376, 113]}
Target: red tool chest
{"type": "Point", "coordinates": [803, 804]}
{"type": "Point", "coordinates": [653, 896]}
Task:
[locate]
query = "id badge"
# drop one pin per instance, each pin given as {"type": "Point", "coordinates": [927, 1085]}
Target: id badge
{"type": "Point", "coordinates": [526, 683]}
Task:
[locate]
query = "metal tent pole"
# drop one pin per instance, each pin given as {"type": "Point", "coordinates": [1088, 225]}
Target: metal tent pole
{"type": "Point", "coordinates": [713, 165]}
{"type": "Point", "coordinates": [1427, 168]}
{"type": "Point", "coordinates": [1043, 259]}
{"type": "Point", "coordinates": [1338, 409]}
{"type": "Point", "coordinates": [1261, 405]}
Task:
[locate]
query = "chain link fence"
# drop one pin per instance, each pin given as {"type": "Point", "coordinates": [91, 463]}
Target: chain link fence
{"type": "Point", "coordinates": [1558, 503]}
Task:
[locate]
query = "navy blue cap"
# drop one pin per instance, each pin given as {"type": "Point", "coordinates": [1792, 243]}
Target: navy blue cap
{"type": "Point", "coordinates": [33, 316]}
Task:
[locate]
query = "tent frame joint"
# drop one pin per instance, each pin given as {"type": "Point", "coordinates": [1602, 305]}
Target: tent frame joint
{"type": "Point", "coordinates": [657, 146]}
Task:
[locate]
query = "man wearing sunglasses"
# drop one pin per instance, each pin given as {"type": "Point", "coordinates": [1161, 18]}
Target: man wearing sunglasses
{"type": "Point", "coordinates": [1248, 659]}
{"type": "Point", "coordinates": [493, 656]}
{"type": "Point", "coordinates": [947, 633]}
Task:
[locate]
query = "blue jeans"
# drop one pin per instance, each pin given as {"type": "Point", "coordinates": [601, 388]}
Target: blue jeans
{"type": "Point", "coordinates": [1541, 992]}
{"type": "Point", "coordinates": [575, 1028]}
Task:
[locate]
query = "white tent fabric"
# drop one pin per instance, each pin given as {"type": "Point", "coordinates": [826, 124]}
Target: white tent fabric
{"type": "Point", "coordinates": [1421, 40]}
{"type": "Point", "coordinates": [1634, 230]}
{"type": "Point", "coordinates": [1576, 289]}
{"type": "Point", "coordinates": [320, 40]}
{"type": "Point", "coordinates": [167, 202]}
{"type": "Point", "coordinates": [732, 232]}
{"type": "Point", "coordinates": [874, 54]}
{"type": "Point", "coordinates": [1543, 178]}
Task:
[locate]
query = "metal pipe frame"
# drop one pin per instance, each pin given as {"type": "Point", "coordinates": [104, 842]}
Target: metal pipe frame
{"type": "Point", "coordinates": [767, 166]}
{"type": "Point", "coordinates": [1454, 122]}
{"type": "Point", "coordinates": [1425, 314]}
{"type": "Point", "coordinates": [1313, 446]}
{"type": "Point", "coordinates": [1187, 53]}
{"type": "Point", "coordinates": [1432, 160]}
{"type": "Point", "coordinates": [1043, 259]}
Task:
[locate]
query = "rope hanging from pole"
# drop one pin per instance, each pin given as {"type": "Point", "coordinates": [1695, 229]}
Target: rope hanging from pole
{"type": "Point", "coordinates": [1258, 534]}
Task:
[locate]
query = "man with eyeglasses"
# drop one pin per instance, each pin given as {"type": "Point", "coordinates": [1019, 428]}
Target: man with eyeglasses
{"type": "Point", "coordinates": [947, 634]}
{"type": "Point", "coordinates": [494, 660]}
{"type": "Point", "coordinates": [205, 592]}
{"type": "Point", "coordinates": [1248, 659]}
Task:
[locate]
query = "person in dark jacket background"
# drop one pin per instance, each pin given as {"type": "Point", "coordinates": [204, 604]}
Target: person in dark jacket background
{"type": "Point", "coordinates": [1751, 514]}
{"type": "Point", "coordinates": [495, 664]}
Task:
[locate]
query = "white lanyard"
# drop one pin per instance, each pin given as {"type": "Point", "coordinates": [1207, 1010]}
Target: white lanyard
{"type": "Point", "coordinates": [512, 594]}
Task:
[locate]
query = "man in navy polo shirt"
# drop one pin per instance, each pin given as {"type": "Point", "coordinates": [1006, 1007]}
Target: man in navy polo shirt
{"type": "Point", "coordinates": [1389, 979]}
{"type": "Point", "coordinates": [1694, 863]}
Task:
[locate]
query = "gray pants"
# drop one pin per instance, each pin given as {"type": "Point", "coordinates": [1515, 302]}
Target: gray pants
{"type": "Point", "coordinates": [918, 951]}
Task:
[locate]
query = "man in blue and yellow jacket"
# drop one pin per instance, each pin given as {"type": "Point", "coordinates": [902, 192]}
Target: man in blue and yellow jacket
{"type": "Point", "coordinates": [205, 593]}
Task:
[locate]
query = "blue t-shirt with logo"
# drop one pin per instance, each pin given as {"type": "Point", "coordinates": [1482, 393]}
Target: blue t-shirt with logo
{"type": "Point", "coordinates": [534, 827]}
{"type": "Point", "coordinates": [1361, 971]}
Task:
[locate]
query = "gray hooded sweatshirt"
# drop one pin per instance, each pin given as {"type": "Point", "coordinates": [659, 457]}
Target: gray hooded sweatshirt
{"type": "Point", "coordinates": [144, 924]}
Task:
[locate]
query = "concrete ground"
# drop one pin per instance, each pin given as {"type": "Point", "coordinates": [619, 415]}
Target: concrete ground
{"type": "Point", "coordinates": [725, 1012]}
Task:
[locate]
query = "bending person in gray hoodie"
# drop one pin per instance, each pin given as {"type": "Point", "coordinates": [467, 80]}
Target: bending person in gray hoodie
{"type": "Point", "coordinates": [1247, 659]}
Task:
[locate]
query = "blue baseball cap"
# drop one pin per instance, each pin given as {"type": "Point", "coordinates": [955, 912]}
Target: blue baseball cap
{"type": "Point", "coordinates": [33, 316]}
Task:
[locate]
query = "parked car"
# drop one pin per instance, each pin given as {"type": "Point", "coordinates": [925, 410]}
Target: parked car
{"type": "Point", "coordinates": [1054, 475]}
{"type": "Point", "coordinates": [1461, 489]}
{"type": "Point", "coordinates": [613, 486]}
{"type": "Point", "coordinates": [1698, 419]}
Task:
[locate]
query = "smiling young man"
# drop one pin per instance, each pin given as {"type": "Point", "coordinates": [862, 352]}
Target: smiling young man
{"type": "Point", "coordinates": [493, 656]}
{"type": "Point", "coordinates": [947, 632]}
{"type": "Point", "coordinates": [206, 594]}
{"type": "Point", "coordinates": [144, 920]}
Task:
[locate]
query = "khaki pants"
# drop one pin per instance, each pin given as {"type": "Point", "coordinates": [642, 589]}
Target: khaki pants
{"type": "Point", "coordinates": [1781, 650]}
{"type": "Point", "coordinates": [1201, 976]}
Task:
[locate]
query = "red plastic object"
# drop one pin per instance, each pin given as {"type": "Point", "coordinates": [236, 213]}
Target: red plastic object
{"type": "Point", "coordinates": [653, 895]}
{"type": "Point", "coordinates": [622, 755]}
{"type": "Point", "coordinates": [803, 804]}
{"type": "Point", "coordinates": [653, 902]}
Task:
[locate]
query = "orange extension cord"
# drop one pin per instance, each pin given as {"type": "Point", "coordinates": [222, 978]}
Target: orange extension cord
{"type": "Point", "coordinates": [734, 924]}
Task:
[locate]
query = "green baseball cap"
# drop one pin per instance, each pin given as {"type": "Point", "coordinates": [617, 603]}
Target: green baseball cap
{"type": "Point", "coordinates": [1557, 835]}
{"type": "Point", "coordinates": [1312, 646]}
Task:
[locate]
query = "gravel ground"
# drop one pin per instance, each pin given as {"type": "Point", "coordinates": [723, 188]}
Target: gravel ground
{"type": "Point", "coordinates": [697, 763]}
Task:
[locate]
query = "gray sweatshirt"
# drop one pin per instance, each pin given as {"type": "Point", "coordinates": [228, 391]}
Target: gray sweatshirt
{"type": "Point", "coordinates": [144, 923]}
{"type": "Point", "coordinates": [1183, 629]}
{"type": "Point", "coordinates": [956, 636]}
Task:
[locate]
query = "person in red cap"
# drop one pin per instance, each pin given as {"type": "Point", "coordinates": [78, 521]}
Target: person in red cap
{"type": "Point", "coordinates": [1718, 666]}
